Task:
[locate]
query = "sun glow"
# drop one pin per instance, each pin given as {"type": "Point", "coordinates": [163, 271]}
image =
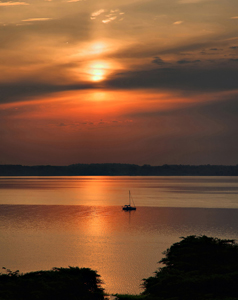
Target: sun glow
{"type": "Point", "coordinates": [98, 48]}
{"type": "Point", "coordinates": [90, 49]}
{"type": "Point", "coordinates": [98, 70]}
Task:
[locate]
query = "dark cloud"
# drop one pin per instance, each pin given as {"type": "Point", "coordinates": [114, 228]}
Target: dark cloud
{"type": "Point", "coordinates": [141, 50]}
{"type": "Point", "coordinates": [192, 46]}
{"type": "Point", "coordinates": [234, 47]}
{"type": "Point", "coordinates": [189, 46]}
{"type": "Point", "coordinates": [203, 132]}
{"type": "Point", "coordinates": [27, 90]}
{"type": "Point", "coordinates": [157, 60]}
{"type": "Point", "coordinates": [222, 109]}
{"type": "Point", "coordinates": [184, 61]}
{"type": "Point", "coordinates": [182, 78]}
{"type": "Point", "coordinates": [208, 53]}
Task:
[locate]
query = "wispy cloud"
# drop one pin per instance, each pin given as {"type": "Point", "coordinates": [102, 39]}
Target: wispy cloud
{"type": "Point", "coordinates": [178, 22]}
{"type": "Point", "coordinates": [36, 19]}
{"type": "Point", "coordinates": [10, 3]}
{"type": "Point", "coordinates": [157, 60]}
{"type": "Point", "coordinates": [97, 13]}
{"type": "Point", "coordinates": [113, 15]}
{"type": "Point", "coordinates": [109, 19]}
{"type": "Point", "coordinates": [108, 16]}
{"type": "Point", "coordinates": [234, 17]}
{"type": "Point", "coordinates": [184, 61]}
{"type": "Point", "coordinates": [191, 1]}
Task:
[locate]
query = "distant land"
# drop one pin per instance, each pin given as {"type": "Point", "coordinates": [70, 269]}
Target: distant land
{"type": "Point", "coordinates": [116, 169]}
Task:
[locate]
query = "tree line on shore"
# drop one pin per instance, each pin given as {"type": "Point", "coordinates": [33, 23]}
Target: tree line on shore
{"type": "Point", "coordinates": [197, 267]}
{"type": "Point", "coordinates": [116, 169]}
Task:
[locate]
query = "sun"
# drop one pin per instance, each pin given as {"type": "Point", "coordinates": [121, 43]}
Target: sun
{"type": "Point", "coordinates": [98, 70]}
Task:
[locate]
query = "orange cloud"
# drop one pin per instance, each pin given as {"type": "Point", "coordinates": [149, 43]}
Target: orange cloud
{"type": "Point", "coordinates": [10, 3]}
{"type": "Point", "coordinates": [178, 22]}
{"type": "Point", "coordinates": [36, 19]}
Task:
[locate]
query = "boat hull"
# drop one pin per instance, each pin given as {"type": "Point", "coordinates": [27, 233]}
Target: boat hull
{"type": "Point", "coordinates": [129, 208]}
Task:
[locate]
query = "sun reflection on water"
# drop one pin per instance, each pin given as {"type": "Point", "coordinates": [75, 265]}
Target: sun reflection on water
{"type": "Point", "coordinates": [122, 247]}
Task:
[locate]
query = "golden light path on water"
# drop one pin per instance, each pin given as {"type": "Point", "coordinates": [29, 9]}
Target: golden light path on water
{"type": "Point", "coordinates": [50, 222]}
{"type": "Point", "coordinates": [123, 247]}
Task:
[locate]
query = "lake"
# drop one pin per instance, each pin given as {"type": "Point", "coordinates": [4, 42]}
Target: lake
{"type": "Point", "coordinates": [50, 222]}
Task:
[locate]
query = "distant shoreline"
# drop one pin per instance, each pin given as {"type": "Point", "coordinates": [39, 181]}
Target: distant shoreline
{"type": "Point", "coordinates": [116, 169]}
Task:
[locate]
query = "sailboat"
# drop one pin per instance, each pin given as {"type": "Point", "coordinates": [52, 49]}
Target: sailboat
{"type": "Point", "coordinates": [128, 207]}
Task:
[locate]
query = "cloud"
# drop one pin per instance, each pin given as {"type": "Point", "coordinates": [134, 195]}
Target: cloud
{"type": "Point", "coordinates": [157, 60]}
{"type": "Point", "coordinates": [177, 22]}
{"type": "Point", "coordinates": [10, 3]}
{"type": "Point", "coordinates": [142, 50]}
{"type": "Point", "coordinates": [45, 29]}
{"type": "Point", "coordinates": [190, 1]}
{"type": "Point", "coordinates": [223, 106]}
{"type": "Point", "coordinates": [97, 13]}
{"type": "Point", "coordinates": [109, 19]}
{"type": "Point", "coordinates": [112, 15]}
{"type": "Point", "coordinates": [181, 78]}
{"type": "Point", "coordinates": [36, 19]}
{"type": "Point", "coordinates": [183, 61]}
{"type": "Point", "coordinates": [27, 90]}
{"type": "Point", "coordinates": [205, 126]}
{"type": "Point", "coordinates": [189, 46]}
{"type": "Point", "coordinates": [234, 17]}
{"type": "Point", "coordinates": [234, 47]}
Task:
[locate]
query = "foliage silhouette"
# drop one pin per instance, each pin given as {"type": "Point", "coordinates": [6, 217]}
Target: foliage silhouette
{"type": "Point", "coordinates": [59, 283]}
{"type": "Point", "coordinates": [196, 268]}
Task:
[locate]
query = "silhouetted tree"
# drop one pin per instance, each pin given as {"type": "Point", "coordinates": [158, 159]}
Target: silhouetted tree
{"type": "Point", "coordinates": [196, 268]}
{"type": "Point", "coordinates": [57, 284]}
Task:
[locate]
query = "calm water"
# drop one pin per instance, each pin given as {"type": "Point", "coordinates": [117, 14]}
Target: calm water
{"type": "Point", "coordinates": [78, 221]}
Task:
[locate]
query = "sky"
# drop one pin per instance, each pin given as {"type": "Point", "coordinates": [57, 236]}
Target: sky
{"type": "Point", "coordinates": [119, 81]}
